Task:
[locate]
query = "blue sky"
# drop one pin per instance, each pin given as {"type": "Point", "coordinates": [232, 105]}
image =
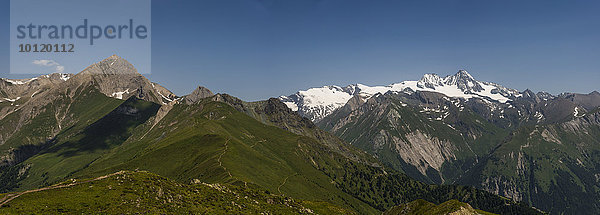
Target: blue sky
{"type": "Point", "coordinates": [75, 13]}
{"type": "Point", "coordinates": [260, 49]}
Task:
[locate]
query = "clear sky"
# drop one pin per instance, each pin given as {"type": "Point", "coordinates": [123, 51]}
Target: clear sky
{"type": "Point", "coordinates": [259, 49]}
{"type": "Point", "coordinates": [75, 13]}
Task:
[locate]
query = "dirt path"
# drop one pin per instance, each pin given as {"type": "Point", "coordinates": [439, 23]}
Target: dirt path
{"type": "Point", "coordinates": [284, 181]}
{"type": "Point", "coordinates": [221, 155]}
{"type": "Point", "coordinates": [10, 197]}
{"type": "Point", "coordinates": [256, 143]}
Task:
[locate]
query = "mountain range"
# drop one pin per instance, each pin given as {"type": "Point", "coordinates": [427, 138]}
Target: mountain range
{"type": "Point", "coordinates": [317, 103]}
{"type": "Point", "coordinates": [109, 140]}
{"type": "Point", "coordinates": [533, 147]}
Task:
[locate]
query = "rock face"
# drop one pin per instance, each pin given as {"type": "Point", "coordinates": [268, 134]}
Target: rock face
{"type": "Point", "coordinates": [427, 152]}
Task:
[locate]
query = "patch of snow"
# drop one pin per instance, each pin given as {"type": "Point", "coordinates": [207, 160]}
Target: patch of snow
{"type": "Point", "coordinates": [577, 112]}
{"type": "Point", "coordinates": [451, 126]}
{"type": "Point", "coordinates": [539, 116]}
{"type": "Point", "coordinates": [64, 77]}
{"type": "Point", "coordinates": [19, 82]}
{"type": "Point", "coordinates": [119, 95]}
{"type": "Point", "coordinates": [12, 100]}
{"type": "Point", "coordinates": [33, 94]}
{"type": "Point", "coordinates": [487, 92]}
{"type": "Point", "coordinates": [164, 97]}
{"type": "Point", "coordinates": [292, 106]}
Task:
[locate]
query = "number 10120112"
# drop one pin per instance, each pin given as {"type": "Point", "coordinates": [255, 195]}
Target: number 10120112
{"type": "Point", "coordinates": [46, 48]}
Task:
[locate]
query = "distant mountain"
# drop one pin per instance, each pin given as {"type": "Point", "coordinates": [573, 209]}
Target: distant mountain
{"type": "Point", "coordinates": [317, 103]}
{"type": "Point", "coordinates": [109, 118]}
{"type": "Point", "coordinates": [457, 130]}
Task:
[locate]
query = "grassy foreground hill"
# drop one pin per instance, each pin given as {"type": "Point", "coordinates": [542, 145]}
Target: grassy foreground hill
{"type": "Point", "coordinates": [127, 192]}
{"type": "Point", "coordinates": [420, 206]}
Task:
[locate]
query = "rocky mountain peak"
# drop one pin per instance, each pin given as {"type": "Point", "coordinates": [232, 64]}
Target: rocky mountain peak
{"type": "Point", "coordinates": [116, 77]}
{"type": "Point", "coordinates": [199, 93]}
{"type": "Point", "coordinates": [430, 81]}
{"type": "Point", "coordinates": [545, 95]}
{"type": "Point", "coordinates": [527, 93]}
{"type": "Point", "coordinates": [464, 81]}
{"type": "Point", "coordinates": [352, 89]}
{"type": "Point", "coordinates": [113, 65]}
{"type": "Point", "coordinates": [464, 73]}
{"type": "Point", "coordinates": [114, 57]}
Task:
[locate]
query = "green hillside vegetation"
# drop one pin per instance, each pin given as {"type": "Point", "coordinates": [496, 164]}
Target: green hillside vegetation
{"type": "Point", "coordinates": [84, 108]}
{"type": "Point", "coordinates": [146, 193]}
{"type": "Point", "coordinates": [424, 207]}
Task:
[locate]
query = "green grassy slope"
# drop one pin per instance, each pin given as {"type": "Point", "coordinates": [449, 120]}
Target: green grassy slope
{"type": "Point", "coordinates": [76, 113]}
{"type": "Point", "coordinates": [86, 106]}
{"type": "Point", "coordinates": [73, 153]}
{"type": "Point", "coordinates": [143, 192]}
{"type": "Point", "coordinates": [213, 142]}
{"type": "Point", "coordinates": [424, 207]}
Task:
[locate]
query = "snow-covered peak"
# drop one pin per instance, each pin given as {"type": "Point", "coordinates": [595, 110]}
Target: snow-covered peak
{"type": "Point", "coordinates": [319, 102]}
{"type": "Point", "coordinates": [316, 103]}
{"type": "Point", "coordinates": [325, 95]}
{"type": "Point", "coordinates": [464, 73]}
{"type": "Point", "coordinates": [430, 81]}
{"type": "Point", "coordinates": [464, 81]}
